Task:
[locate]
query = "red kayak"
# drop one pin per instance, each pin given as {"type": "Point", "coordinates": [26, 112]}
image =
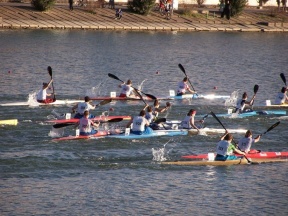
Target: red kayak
{"type": "Point", "coordinates": [98, 134]}
{"type": "Point", "coordinates": [252, 155]}
{"type": "Point", "coordinates": [97, 118]}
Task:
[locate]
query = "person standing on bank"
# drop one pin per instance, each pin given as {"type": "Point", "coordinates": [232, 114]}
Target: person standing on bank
{"type": "Point", "coordinates": [70, 5]}
{"type": "Point", "coordinates": [227, 10]}
{"type": "Point", "coordinates": [42, 94]}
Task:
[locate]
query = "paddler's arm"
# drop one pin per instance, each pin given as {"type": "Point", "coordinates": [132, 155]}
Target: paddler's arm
{"type": "Point", "coordinates": [129, 123]}
{"type": "Point", "coordinates": [74, 108]}
{"type": "Point", "coordinates": [222, 137]}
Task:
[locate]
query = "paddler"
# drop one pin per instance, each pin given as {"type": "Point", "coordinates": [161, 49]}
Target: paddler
{"type": "Point", "coordinates": [157, 109]}
{"type": "Point", "coordinates": [140, 124]}
{"type": "Point", "coordinates": [245, 143]}
{"type": "Point", "coordinates": [86, 125]}
{"type": "Point", "coordinates": [189, 122]}
{"type": "Point", "coordinates": [127, 90]}
{"type": "Point", "coordinates": [225, 149]}
{"type": "Point", "coordinates": [242, 102]}
{"type": "Point", "coordinates": [42, 94]}
{"type": "Point", "coordinates": [81, 107]}
{"type": "Point", "coordinates": [282, 97]}
{"type": "Point", "coordinates": [183, 87]}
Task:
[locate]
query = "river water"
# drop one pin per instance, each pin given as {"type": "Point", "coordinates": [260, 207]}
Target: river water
{"type": "Point", "coordinates": [122, 177]}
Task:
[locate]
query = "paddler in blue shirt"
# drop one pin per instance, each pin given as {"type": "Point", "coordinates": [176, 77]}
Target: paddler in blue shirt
{"type": "Point", "coordinates": [86, 125]}
{"type": "Point", "coordinates": [81, 107]}
{"type": "Point", "coordinates": [140, 125]}
{"type": "Point", "coordinates": [183, 87]}
{"type": "Point", "coordinates": [225, 149]}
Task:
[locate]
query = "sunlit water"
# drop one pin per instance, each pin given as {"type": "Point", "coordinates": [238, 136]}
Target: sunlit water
{"type": "Point", "coordinates": [124, 177]}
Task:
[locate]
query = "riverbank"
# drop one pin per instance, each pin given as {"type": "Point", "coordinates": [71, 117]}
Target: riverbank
{"type": "Point", "coordinates": [23, 16]}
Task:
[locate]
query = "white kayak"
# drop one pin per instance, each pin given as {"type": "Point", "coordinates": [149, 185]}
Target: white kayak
{"type": "Point", "coordinates": [35, 103]}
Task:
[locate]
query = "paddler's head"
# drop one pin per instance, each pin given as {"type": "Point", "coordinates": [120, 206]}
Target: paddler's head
{"type": "Point", "coordinates": [156, 103]}
{"type": "Point", "coordinates": [86, 113]}
{"type": "Point", "coordinates": [191, 112]}
{"type": "Point", "coordinates": [244, 96]}
{"type": "Point", "coordinates": [129, 82]}
{"type": "Point", "coordinates": [248, 133]}
{"type": "Point", "coordinates": [228, 137]}
{"type": "Point", "coordinates": [284, 89]}
{"type": "Point", "coordinates": [185, 79]}
{"type": "Point", "coordinates": [45, 85]}
{"type": "Point", "coordinates": [142, 113]}
{"type": "Point", "coordinates": [87, 99]}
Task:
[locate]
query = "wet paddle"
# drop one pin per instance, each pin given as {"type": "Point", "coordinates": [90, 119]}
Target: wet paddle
{"type": "Point", "coordinates": [183, 70]}
{"type": "Point", "coordinates": [61, 125]}
{"type": "Point", "coordinates": [103, 102]}
{"type": "Point", "coordinates": [213, 114]}
{"type": "Point", "coordinates": [49, 69]}
{"type": "Point", "coordinates": [283, 78]}
{"type": "Point", "coordinates": [256, 88]}
{"type": "Point", "coordinates": [270, 128]}
{"type": "Point", "coordinates": [148, 95]}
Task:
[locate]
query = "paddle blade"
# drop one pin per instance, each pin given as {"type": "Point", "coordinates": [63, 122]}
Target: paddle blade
{"type": "Point", "coordinates": [115, 120]}
{"type": "Point", "coordinates": [182, 68]}
{"type": "Point", "coordinates": [272, 127]}
{"type": "Point", "coordinates": [104, 102]}
{"type": "Point", "coordinates": [160, 120]}
{"type": "Point", "coordinates": [49, 69]}
{"type": "Point", "coordinates": [114, 77]}
{"type": "Point", "coordinates": [256, 88]}
{"type": "Point", "coordinates": [283, 78]}
{"type": "Point", "coordinates": [150, 96]}
{"type": "Point", "coordinates": [61, 125]}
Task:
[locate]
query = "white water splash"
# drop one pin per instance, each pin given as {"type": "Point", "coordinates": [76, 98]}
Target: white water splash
{"type": "Point", "coordinates": [32, 99]}
{"type": "Point", "coordinates": [161, 154]}
{"type": "Point", "coordinates": [232, 101]}
{"type": "Point", "coordinates": [56, 132]}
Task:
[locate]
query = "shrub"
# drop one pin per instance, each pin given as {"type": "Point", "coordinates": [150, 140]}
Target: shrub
{"type": "Point", "coordinates": [42, 5]}
{"type": "Point", "coordinates": [141, 6]}
{"type": "Point", "coordinates": [237, 6]}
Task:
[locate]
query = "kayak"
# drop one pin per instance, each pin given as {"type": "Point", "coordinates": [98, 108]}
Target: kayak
{"type": "Point", "coordinates": [268, 104]}
{"type": "Point", "coordinates": [94, 136]}
{"type": "Point", "coordinates": [35, 103]}
{"type": "Point", "coordinates": [156, 133]}
{"type": "Point", "coordinates": [252, 155]}
{"type": "Point", "coordinates": [9, 122]}
{"type": "Point", "coordinates": [97, 118]}
{"type": "Point", "coordinates": [224, 163]}
{"type": "Point", "coordinates": [199, 96]}
{"type": "Point", "coordinates": [252, 113]}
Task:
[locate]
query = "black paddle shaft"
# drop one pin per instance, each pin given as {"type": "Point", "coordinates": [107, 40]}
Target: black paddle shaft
{"type": "Point", "coordinates": [183, 70]}
{"type": "Point", "coordinates": [283, 78]}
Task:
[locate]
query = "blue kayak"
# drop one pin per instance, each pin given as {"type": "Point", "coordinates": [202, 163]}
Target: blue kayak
{"type": "Point", "coordinates": [199, 96]}
{"type": "Point", "coordinates": [253, 113]}
{"type": "Point", "coordinates": [156, 133]}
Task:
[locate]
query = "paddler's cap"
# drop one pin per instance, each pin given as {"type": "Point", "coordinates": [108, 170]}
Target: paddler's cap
{"type": "Point", "coordinates": [87, 99]}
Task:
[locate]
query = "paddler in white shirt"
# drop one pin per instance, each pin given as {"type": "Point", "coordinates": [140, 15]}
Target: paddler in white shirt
{"type": "Point", "coordinates": [42, 94]}
{"type": "Point", "coordinates": [140, 125]}
{"type": "Point", "coordinates": [86, 125]}
{"type": "Point", "coordinates": [81, 107]}
{"type": "Point", "coordinates": [183, 87]}
{"type": "Point", "coordinates": [189, 122]}
{"type": "Point", "coordinates": [245, 143]}
{"type": "Point", "coordinates": [127, 90]}
{"type": "Point", "coordinates": [241, 103]}
{"type": "Point", "coordinates": [225, 149]}
{"type": "Point", "coordinates": [282, 97]}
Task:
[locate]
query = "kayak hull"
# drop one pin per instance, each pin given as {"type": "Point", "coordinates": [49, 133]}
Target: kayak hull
{"type": "Point", "coordinates": [9, 122]}
{"type": "Point", "coordinates": [94, 136]}
{"type": "Point", "coordinates": [252, 155]}
{"type": "Point", "coordinates": [242, 161]}
{"type": "Point", "coordinates": [97, 118]}
{"type": "Point", "coordinates": [156, 133]}
{"type": "Point", "coordinates": [57, 102]}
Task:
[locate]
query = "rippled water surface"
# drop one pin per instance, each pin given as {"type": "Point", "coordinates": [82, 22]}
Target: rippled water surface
{"type": "Point", "coordinates": [119, 177]}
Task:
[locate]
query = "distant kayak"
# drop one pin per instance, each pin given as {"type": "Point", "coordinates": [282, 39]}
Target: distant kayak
{"type": "Point", "coordinates": [9, 122]}
{"type": "Point", "coordinates": [35, 103]}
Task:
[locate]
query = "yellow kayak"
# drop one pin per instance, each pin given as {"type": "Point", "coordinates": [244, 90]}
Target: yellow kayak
{"type": "Point", "coordinates": [223, 163]}
{"type": "Point", "coordinates": [9, 122]}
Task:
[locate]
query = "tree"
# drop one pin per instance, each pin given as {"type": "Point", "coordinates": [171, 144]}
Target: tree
{"type": "Point", "coordinates": [237, 6]}
{"type": "Point", "coordinates": [42, 5]}
{"type": "Point", "coordinates": [141, 6]}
